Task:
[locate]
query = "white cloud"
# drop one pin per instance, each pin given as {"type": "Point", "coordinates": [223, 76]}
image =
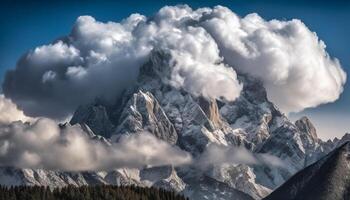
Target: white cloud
{"type": "Point", "coordinates": [9, 111]}
{"type": "Point", "coordinates": [44, 145]}
{"type": "Point", "coordinates": [57, 53]}
{"type": "Point", "coordinates": [41, 143]}
{"type": "Point", "coordinates": [207, 48]}
{"type": "Point", "coordinates": [290, 59]}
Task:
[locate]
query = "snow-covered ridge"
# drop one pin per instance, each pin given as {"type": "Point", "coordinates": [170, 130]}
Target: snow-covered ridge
{"type": "Point", "coordinates": [192, 123]}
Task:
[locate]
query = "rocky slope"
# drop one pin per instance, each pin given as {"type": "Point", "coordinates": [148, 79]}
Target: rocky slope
{"type": "Point", "coordinates": [328, 178]}
{"type": "Point", "coordinates": [192, 123]}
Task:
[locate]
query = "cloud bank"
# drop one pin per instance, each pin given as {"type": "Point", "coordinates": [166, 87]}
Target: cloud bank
{"type": "Point", "coordinates": [44, 145]}
{"type": "Point", "coordinates": [219, 155]}
{"type": "Point", "coordinates": [208, 47]}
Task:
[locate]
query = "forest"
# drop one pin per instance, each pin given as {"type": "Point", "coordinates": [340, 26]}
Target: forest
{"type": "Point", "coordinates": [100, 192]}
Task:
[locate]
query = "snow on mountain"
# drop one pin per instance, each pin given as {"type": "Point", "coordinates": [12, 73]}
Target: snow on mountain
{"type": "Point", "coordinates": [14, 176]}
{"type": "Point", "coordinates": [192, 123]}
{"type": "Point", "coordinates": [241, 177]}
{"type": "Point", "coordinates": [205, 187]}
{"type": "Point", "coordinates": [143, 113]}
{"type": "Point", "coordinates": [164, 177]}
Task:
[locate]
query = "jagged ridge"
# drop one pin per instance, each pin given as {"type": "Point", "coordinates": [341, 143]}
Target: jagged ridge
{"type": "Point", "coordinates": [192, 123]}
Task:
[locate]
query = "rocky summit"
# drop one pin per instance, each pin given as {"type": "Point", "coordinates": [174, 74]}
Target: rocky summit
{"type": "Point", "coordinates": [193, 123]}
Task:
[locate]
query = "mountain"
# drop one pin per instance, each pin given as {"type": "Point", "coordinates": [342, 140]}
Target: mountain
{"type": "Point", "coordinates": [328, 178]}
{"type": "Point", "coordinates": [192, 123]}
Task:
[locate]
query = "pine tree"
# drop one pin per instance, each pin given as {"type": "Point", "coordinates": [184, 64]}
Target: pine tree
{"type": "Point", "coordinates": [101, 192]}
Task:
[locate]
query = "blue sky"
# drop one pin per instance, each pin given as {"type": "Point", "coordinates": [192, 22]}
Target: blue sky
{"type": "Point", "coordinates": [25, 25]}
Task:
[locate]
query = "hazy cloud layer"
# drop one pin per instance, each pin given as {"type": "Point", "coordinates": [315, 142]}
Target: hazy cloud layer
{"type": "Point", "coordinates": [219, 154]}
{"type": "Point", "coordinates": [207, 48]}
{"type": "Point", "coordinates": [43, 144]}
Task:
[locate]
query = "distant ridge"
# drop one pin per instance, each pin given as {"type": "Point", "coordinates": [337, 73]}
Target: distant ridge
{"type": "Point", "coordinates": [328, 178]}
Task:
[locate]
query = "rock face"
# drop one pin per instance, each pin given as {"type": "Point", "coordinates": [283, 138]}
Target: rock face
{"type": "Point", "coordinates": [143, 113]}
{"type": "Point", "coordinates": [241, 177]}
{"type": "Point", "coordinates": [96, 117]}
{"type": "Point", "coordinates": [328, 178]}
{"type": "Point", "coordinates": [192, 123]}
{"type": "Point", "coordinates": [205, 187]}
{"type": "Point", "coordinates": [305, 126]}
{"type": "Point", "coordinates": [163, 177]}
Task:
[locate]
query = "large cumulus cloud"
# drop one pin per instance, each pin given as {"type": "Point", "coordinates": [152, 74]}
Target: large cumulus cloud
{"type": "Point", "coordinates": [95, 60]}
{"type": "Point", "coordinates": [290, 59]}
{"type": "Point", "coordinates": [207, 48]}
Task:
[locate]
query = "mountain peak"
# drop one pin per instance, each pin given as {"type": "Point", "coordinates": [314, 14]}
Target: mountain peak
{"type": "Point", "coordinates": [192, 122]}
{"type": "Point", "coordinates": [157, 66]}
{"type": "Point", "coordinates": [305, 125]}
{"type": "Point", "coordinates": [143, 112]}
{"type": "Point", "coordinates": [95, 116]}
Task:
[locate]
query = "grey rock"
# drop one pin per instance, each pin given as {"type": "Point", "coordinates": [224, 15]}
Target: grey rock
{"type": "Point", "coordinates": [143, 113]}
{"type": "Point", "coordinates": [96, 117]}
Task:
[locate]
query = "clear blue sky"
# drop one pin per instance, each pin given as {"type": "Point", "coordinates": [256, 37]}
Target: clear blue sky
{"type": "Point", "coordinates": [26, 24]}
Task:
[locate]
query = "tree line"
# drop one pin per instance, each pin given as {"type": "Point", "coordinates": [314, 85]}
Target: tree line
{"type": "Point", "coordinates": [100, 192]}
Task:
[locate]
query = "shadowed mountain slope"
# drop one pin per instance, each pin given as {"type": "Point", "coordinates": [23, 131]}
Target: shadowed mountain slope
{"type": "Point", "coordinates": [328, 178]}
